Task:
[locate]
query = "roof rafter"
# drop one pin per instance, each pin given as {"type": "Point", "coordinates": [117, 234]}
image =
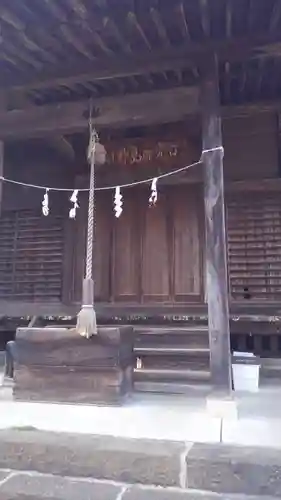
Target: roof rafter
{"type": "Point", "coordinates": [161, 30]}
{"type": "Point", "coordinates": [228, 18]}
{"type": "Point", "coordinates": [108, 22]}
{"type": "Point", "coordinates": [205, 18]}
{"type": "Point", "coordinates": [183, 24]}
{"type": "Point", "coordinates": [237, 50]}
{"type": "Point", "coordinates": [83, 15]}
{"type": "Point", "coordinates": [275, 16]}
{"type": "Point", "coordinates": [132, 19]}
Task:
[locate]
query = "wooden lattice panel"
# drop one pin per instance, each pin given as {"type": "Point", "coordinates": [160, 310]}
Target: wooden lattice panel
{"type": "Point", "coordinates": [254, 246]}
{"type": "Point", "coordinates": [31, 256]}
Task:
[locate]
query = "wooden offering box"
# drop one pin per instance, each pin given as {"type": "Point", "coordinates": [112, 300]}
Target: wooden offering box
{"type": "Point", "coordinates": [58, 365]}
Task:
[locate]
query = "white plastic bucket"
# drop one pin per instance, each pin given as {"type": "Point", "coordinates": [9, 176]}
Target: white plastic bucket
{"type": "Point", "coordinates": [246, 377]}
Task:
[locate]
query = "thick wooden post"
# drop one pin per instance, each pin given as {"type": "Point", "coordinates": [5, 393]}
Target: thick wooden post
{"type": "Point", "coordinates": [216, 265]}
{"type": "Point", "coordinates": [1, 171]}
{"type": "Point", "coordinates": [3, 107]}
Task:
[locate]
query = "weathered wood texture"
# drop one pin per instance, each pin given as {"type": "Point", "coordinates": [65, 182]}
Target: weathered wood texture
{"type": "Point", "coordinates": [1, 172]}
{"type": "Point", "coordinates": [216, 260]}
{"type": "Point", "coordinates": [60, 366]}
{"type": "Point", "coordinates": [127, 110]}
{"type": "Point", "coordinates": [251, 147]}
{"type": "Point", "coordinates": [127, 257]}
{"type": "Point", "coordinates": [103, 40]}
{"type": "Point", "coordinates": [139, 257]}
{"type": "Point", "coordinates": [254, 246]}
{"type": "Point", "coordinates": [34, 249]}
{"type": "Point", "coordinates": [36, 163]}
{"type": "Point", "coordinates": [31, 256]}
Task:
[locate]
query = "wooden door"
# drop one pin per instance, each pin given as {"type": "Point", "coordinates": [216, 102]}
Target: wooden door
{"type": "Point", "coordinates": [149, 254]}
{"type": "Point", "coordinates": [172, 246]}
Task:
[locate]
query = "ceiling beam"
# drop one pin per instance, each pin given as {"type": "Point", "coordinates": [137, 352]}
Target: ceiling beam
{"type": "Point", "coordinates": [232, 49]}
{"type": "Point", "coordinates": [109, 112]}
{"type": "Point", "coordinates": [142, 109]}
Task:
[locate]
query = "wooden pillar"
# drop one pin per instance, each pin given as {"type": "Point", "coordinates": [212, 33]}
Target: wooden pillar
{"type": "Point", "coordinates": [4, 97]}
{"type": "Point", "coordinates": [1, 171]}
{"type": "Point", "coordinates": [216, 261]}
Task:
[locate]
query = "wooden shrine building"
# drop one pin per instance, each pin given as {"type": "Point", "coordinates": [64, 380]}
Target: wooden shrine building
{"type": "Point", "coordinates": [167, 80]}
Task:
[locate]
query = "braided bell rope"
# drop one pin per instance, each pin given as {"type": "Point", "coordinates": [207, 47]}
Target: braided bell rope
{"type": "Point", "coordinates": [91, 207]}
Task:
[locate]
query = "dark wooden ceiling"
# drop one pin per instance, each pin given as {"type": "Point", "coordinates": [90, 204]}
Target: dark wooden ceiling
{"type": "Point", "coordinates": [64, 50]}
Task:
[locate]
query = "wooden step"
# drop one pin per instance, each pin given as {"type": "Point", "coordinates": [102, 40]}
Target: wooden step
{"type": "Point", "coordinates": [164, 329]}
{"type": "Point", "coordinates": [171, 350]}
{"type": "Point", "coordinates": [171, 338]}
{"type": "Point", "coordinates": [188, 389]}
{"type": "Point", "coordinates": [165, 375]}
{"type": "Point", "coordinates": [171, 359]}
{"type": "Point", "coordinates": [173, 363]}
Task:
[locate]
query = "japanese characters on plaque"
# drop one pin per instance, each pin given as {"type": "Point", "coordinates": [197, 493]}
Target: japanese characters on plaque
{"type": "Point", "coordinates": [141, 154]}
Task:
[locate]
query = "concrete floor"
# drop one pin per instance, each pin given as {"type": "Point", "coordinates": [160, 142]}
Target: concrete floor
{"type": "Point", "coordinates": [175, 418]}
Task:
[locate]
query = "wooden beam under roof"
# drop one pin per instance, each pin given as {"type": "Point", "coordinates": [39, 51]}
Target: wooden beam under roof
{"type": "Point", "coordinates": [158, 61]}
{"type": "Point", "coordinates": [149, 108]}
{"type": "Point", "coordinates": [128, 110]}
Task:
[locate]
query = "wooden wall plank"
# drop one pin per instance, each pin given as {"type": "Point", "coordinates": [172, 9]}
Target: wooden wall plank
{"type": "Point", "coordinates": [251, 148]}
{"type": "Point", "coordinates": [79, 228]}
{"type": "Point", "coordinates": [155, 257]}
{"type": "Point", "coordinates": [103, 247]}
{"type": "Point", "coordinates": [126, 251]}
{"type": "Point", "coordinates": [187, 243]}
{"type": "Point", "coordinates": [254, 246]}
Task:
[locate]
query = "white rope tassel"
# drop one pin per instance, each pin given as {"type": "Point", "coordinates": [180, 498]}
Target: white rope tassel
{"type": "Point", "coordinates": [118, 203]}
{"type": "Point", "coordinates": [154, 194]}
{"type": "Point", "coordinates": [74, 200]}
{"type": "Point", "coordinates": [45, 204]}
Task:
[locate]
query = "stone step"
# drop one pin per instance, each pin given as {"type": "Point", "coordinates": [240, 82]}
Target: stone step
{"type": "Point", "coordinates": [19, 485]}
{"type": "Point", "coordinates": [186, 467]}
